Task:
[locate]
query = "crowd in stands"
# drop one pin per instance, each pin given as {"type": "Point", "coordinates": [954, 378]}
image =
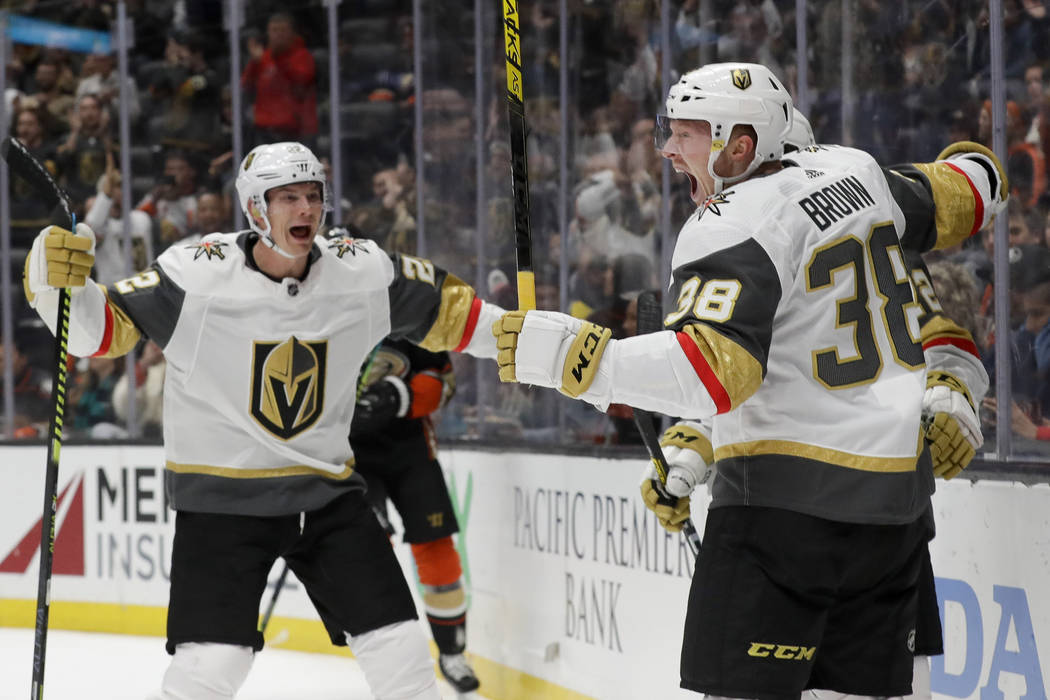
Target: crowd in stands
{"type": "Point", "coordinates": [920, 78]}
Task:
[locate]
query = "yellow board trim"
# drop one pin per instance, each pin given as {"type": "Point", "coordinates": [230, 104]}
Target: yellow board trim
{"type": "Point", "coordinates": [234, 473]}
{"type": "Point", "coordinates": [954, 201]}
{"type": "Point", "coordinates": [498, 681]}
{"type": "Point", "coordinates": [737, 370]}
{"type": "Point", "coordinates": [456, 299]}
{"type": "Point", "coordinates": [821, 454]}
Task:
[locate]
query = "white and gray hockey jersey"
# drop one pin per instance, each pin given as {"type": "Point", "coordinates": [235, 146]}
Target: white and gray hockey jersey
{"type": "Point", "coordinates": [794, 327]}
{"type": "Point", "coordinates": [262, 374]}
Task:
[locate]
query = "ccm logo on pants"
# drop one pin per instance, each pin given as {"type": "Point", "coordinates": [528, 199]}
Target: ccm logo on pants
{"type": "Point", "coordinates": [781, 651]}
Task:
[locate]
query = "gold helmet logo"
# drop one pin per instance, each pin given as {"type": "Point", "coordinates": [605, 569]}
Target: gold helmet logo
{"type": "Point", "coordinates": [742, 78]}
{"type": "Point", "coordinates": [288, 385]}
{"type": "Point", "coordinates": [248, 161]}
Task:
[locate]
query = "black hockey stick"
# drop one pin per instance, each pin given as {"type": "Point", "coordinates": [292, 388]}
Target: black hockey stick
{"type": "Point", "coordinates": [23, 164]}
{"type": "Point", "coordinates": [650, 320]}
{"type": "Point", "coordinates": [273, 598]}
{"type": "Point", "coordinates": [519, 168]}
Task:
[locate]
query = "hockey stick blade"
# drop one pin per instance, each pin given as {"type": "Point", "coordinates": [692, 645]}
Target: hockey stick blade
{"type": "Point", "coordinates": [26, 166]}
{"type": "Point", "coordinates": [650, 320]}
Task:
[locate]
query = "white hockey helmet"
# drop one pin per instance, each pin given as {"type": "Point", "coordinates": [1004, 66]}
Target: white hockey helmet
{"type": "Point", "coordinates": [727, 95]}
{"type": "Point", "coordinates": [801, 134]}
{"type": "Point", "coordinates": [275, 165]}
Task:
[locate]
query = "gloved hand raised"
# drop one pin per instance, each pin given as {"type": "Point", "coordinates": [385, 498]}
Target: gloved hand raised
{"type": "Point", "coordinates": [952, 426]}
{"type": "Point", "coordinates": [387, 399]}
{"type": "Point", "coordinates": [550, 349]}
{"type": "Point", "coordinates": [687, 449]}
{"type": "Point", "coordinates": [59, 258]}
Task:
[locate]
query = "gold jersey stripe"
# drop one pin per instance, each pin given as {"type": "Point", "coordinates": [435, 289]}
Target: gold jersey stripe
{"type": "Point", "coordinates": [738, 371]}
{"type": "Point", "coordinates": [125, 334]}
{"type": "Point", "coordinates": [821, 454]}
{"type": "Point", "coordinates": [447, 331]}
{"type": "Point", "coordinates": [942, 327]}
{"type": "Point", "coordinates": [953, 196]}
{"type": "Point", "coordinates": [235, 473]}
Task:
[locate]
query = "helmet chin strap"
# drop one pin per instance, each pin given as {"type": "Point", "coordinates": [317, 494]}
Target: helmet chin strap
{"type": "Point", "coordinates": [278, 249]}
{"type": "Point", "coordinates": [722, 182]}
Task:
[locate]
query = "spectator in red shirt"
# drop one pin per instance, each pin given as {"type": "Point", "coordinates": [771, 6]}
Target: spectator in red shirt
{"type": "Point", "coordinates": [283, 76]}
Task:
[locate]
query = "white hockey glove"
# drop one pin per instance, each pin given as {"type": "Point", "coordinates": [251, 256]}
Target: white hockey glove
{"type": "Point", "coordinates": [687, 449]}
{"type": "Point", "coordinates": [952, 426]}
{"type": "Point", "coordinates": [983, 156]}
{"type": "Point", "coordinates": [59, 259]}
{"type": "Point", "coordinates": [550, 349]}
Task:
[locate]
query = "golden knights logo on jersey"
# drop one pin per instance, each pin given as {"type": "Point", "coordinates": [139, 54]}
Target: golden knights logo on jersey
{"type": "Point", "coordinates": [288, 385]}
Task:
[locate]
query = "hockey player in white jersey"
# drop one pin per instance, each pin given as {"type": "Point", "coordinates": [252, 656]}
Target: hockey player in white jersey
{"type": "Point", "coordinates": [264, 332]}
{"type": "Point", "coordinates": [951, 422]}
{"type": "Point", "coordinates": [790, 330]}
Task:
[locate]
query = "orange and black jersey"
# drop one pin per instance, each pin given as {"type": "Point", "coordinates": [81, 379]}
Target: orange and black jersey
{"type": "Point", "coordinates": [431, 381]}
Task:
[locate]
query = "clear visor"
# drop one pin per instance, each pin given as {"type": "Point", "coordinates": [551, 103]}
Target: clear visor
{"type": "Point", "coordinates": [661, 131]}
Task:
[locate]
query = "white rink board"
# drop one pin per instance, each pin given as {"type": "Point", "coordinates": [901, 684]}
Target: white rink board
{"type": "Point", "coordinates": [571, 581]}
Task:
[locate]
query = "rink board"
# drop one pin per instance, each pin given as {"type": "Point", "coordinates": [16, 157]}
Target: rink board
{"type": "Point", "coordinates": [575, 592]}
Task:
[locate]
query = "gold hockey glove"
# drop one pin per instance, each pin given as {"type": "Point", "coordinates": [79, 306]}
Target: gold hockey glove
{"type": "Point", "coordinates": [671, 512]}
{"type": "Point", "coordinates": [59, 258]}
{"type": "Point", "coordinates": [953, 429]}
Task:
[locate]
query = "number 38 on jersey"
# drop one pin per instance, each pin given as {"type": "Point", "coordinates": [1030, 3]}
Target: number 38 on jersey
{"type": "Point", "coordinates": [712, 300]}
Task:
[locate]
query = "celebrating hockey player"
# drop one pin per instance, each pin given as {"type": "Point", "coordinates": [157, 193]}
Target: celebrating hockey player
{"type": "Point", "coordinates": [264, 332]}
{"type": "Point", "coordinates": [952, 427]}
{"type": "Point", "coordinates": [790, 331]}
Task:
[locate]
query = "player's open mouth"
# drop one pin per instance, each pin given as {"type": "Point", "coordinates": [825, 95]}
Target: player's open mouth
{"type": "Point", "coordinates": [300, 233]}
{"type": "Point", "coordinates": [694, 185]}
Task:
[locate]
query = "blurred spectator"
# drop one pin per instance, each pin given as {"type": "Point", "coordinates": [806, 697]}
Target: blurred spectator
{"type": "Point", "coordinates": [104, 214]}
{"type": "Point", "coordinates": [1034, 97]}
{"type": "Point", "coordinates": [187, 91]}
{"type": "Point", "coordinates": [88, 14]}
{"type": "Point", "coordinates": [587, 286]}
{"type": "Point", "coordinates": [386, 218]}
{"type": "Point", "coordinates": [91, 399]}
{"type": "Point", "coordinates": [1030, 338]}
{"type": "Point", "coordinates": [1019, 40]}
{"type": "Point", "coordinates": [149, 391]}
{"type": "Point", "coordinates": [100, 77]}
{"type": "Point", "coordinates": [173, 200]}
{"type": "Point", "coordinates": [49, 93]}
{"type": "Point", "coordinates": [82, 156]}
{"type": "Point", "coordinates": [596, 230]}
{"type": "Point", "coordinates": [32, 391]}
{"type": "Point", "coordinates": [959, 298]}
{"type": "Point", "coordinates": [212, 214]}
{"type": "Point", "coordinates": [629, 275]}
{"type": "Point", "coordinates": [29, 213]}
{"type": "Point", "coordinates": [1025, 166]}
{"type": "Point", "coordinates": [283, 75]}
